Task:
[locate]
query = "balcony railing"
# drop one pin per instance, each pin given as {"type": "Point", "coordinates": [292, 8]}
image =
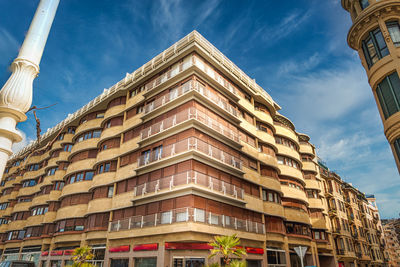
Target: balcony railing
{"type": "Point", "coordinates": [185, 115]}
{"type": "Point", "coordinates": [186, 178]}
{"type": "Point", "coordinates": [186, 215]}
{"type": "Point", "coordinates": [191, 86]}
{"type": "Point", "coordinates": [189, 144]}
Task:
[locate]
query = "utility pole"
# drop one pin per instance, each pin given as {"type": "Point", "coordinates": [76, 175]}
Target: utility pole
{"type": "Point", "coordinates": [16, 94]}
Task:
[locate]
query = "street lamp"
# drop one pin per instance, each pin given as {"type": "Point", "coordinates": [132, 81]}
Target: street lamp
{"type": "Point", "coordinates": [16, 94]}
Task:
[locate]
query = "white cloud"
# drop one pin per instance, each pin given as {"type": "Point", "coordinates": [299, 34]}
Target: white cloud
{"type": "Point", "coordinates": [292, 66]}
{"type": "Point", "coordinates": [8, 44]}
{"type": "Point", "coordinates": [25, 141]}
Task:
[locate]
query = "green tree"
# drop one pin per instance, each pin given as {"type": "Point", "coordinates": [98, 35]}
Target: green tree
{"type": "Point", "coordinates": [81, 256]}
{"type": "Point", "coordinates": [227, 246]}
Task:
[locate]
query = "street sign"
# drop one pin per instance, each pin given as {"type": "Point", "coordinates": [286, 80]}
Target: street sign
{"type": "Point", "coordinates": [301, 252]}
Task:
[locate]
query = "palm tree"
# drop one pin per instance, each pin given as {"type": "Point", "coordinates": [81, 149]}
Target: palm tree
{"type": "Point", "coordinates": [80, 256]}
{"type": "Point", "coordinates": [227, 246]}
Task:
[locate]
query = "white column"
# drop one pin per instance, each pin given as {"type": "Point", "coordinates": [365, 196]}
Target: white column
{"type": "Point", "coordinates": [16, 94]}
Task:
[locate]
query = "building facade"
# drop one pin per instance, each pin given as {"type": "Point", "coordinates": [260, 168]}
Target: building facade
{"type": "Point", "coordinates": [392, 242]}
{"type": "Point", "coordinates": [185, 148]}
{"type": "Point", "coordinates": [375, 35]}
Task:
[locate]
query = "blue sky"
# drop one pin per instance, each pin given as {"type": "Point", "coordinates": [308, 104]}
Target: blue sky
{"type": "Point", "coordinates": [296, 50]}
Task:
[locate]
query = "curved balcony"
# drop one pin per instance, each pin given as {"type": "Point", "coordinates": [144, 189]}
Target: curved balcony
{"type": "Point", "coordinates": [296, 215]}
{"type": "Point", "coordinates": [318, 223]}
{"type": "Point", "coordinates": [123, 200]}
{"type": "Point", "coordinates": [246, 105]}
{"type": "Point", "coordinates": [80, 165]}
{"type": "Point", "coordinates": [75, 211]}
{"type": "Point", "coordinates": [315, 203]}
{"type": "Point", "coordinates": [129, 146]}
{"type": "Point", "coordinates": [33, 160]}
{"type": "Point", "coordinates": [63, 156]}
{"type": "Point", "coordinates": [265, 181]}
{"type": "Point", "coordinates": [133, 101]}
{"type": "Point", "coordinates": [27, 191]}
{"type": "Point", "coordinates": [84, 145]}
{"type": "Point", "coordinates": [107, 155]}
{"type": "Point", "coordinates": [101, 179]}
{"type": "Point", "coordinates": [89, 125]}
{"type": "Point", "coordinates": [254, 203]}
{"type": "Point", "coordinates": [245, 125]}
{"type": "Point", "coordinates": [111, 132]}
{"type": "Point", "coordinates": [283, 131]}
{"type": "Point", "coordinates": [34, 220]}
{"type": "Point", "coordinates": [291, 172]}
{"type": "Point", "coordinates": [187, 215]}
{"type": "Point", "coordinates": [99, 205]}
{"type": "Point", "coordinates": [306, 148]}
{"type": "Point", "coordinates": [51, 163]}
{"type": "Point", "coordinates": [264, 117]}
{"type": "Point", "coordinates": [114, 111]}
{"type": "Point", "coordinates": [72, 237]}
{"type": "Point", "coordinates": [266, 138]}
{"type": "Point", "coordinates": [16, 225]}
{"type": "Point", "coordinates": [126, 172]}
{"type": "Point", "coordinates": [33, 174]}
{"type": "Point", "coordinates": [54, 195]}
{"type": "Point", "coordinates": [7, 212]}
{"type": "Point", "coordinates": [294, 193]}
{"type": "Point", "coordinates": [3, 228]}
{"type": "Point", "coordinates": [312, 184]}
{"type": "Point", "coordinates": [310, 166]}
{"type": "Point", "coordinates": [76, 188]}
{"type": "Point", "coordinates": [287, 151]}
{"type": "Point", "coordinates": [67, 139]}
{"type": "Point", "coordinates": [249, 150]}
{"type": "Point", "coordinates": [267, 159]}
{"type": "Point", "coordinates": [22, 206]}
{"type": "Point", "coordinates": [132, 122]}
{"type": "Point", "coordinates": [40, 200]}
{"type": "Point", "coordinates": [274, 209]}
{"type": "Point", "coordinates": [49, 217]}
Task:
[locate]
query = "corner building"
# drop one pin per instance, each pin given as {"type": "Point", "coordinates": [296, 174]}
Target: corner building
{"type": "Point", "coordinates": [375, 35]}
{"type": "Point", "coordinates": [184, 148]}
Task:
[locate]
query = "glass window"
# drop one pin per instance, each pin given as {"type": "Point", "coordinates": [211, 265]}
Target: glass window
{"type": "Point", "coordinates": [214, 219]}
{"type": "Point", "coordinates": [166, 217]}
{"type": "Point", "coordinates": [374, 47]}
{"type": "Point", "coordinates": [199, 215]}
{"type": "Point", "coordinates": [394, 31]}
{"type": "Point", "coordinates": [110, 191]}
{"type": "Point", "coordinates": [364, 4]}
{"type": "Point", "coordinates": [181, 216]}
{"type": "Point", "coordinates": [388, 92]}
{"type": "Point", "coordinates": [89, 176]}
{"type": "Point", "coordinates": [145, 262]}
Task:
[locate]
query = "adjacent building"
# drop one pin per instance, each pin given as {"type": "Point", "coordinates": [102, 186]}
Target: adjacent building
{"type": "Point", "coordinates": [184, 148]}
{"type": "Point", "coordinates": [375, 35]}
{"type": "Point", "coordinates": [392, 242]}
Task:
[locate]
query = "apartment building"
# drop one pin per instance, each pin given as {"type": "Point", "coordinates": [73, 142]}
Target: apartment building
{"type": "Point", "coordinates": [392, 243]}
{"type": "Point", "coordinates": [375, 35]}
{"type": "Point", "coordinates": [355, 222]}
{"type": "Point", "coordinates": [184, 148]}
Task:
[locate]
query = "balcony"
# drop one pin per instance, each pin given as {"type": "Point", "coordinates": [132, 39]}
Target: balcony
{"type": "Point", "coordinates": [340, 251]}
{"type": "Point", "coordinates": [186, 145]}
{"type": "Point", "coordinates": [188, 87]}
{"type": "Point", "coordinates": [189, 178]}
{"type": "Point", "coordinates": [186, 215]}
{"type": "Point", "coordinates": [186, 115]}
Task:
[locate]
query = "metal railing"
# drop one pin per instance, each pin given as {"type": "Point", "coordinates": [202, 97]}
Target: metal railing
{"type": "Point", "coordinates": [185, 115]}
{"type": "Point", "coordinates": [187, 87]}
{"type": "Point", "coordinates": [186, 215]}
{"type": "Point", "coordinates": [188, 144]}
{"type": "Point", "coordinates": [189, 177]}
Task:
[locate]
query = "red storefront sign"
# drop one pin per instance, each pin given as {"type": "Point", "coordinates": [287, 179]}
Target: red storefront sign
{"type": "Point", "coordinates": [146, 247]}
{"type": "Point", "coordinates": [68, 252]}
{"type": "Point", "coordinates": [56, 253]}
{"type": "Point", "coordinates": [119, 249]}
{"type": "Point", "coordinates": [189, 246]}
{"type": "Point", "coordinates": [251, 250]}
{"type": "Point", "coordinates": [45, 253]}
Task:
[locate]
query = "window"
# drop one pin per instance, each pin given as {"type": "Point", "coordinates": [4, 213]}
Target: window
{"type": "Point", "coordinates": [276, 257]}
{"type": "Point", "coordinates": [110, 192]}
{"type": "Point", "coordinates": [100, 115]}
{"type": "Point", "coordinates": [199, 215]}
{"type": "Point", "coordinates": [388, 92]}
{"type": "Point", "coordinates": [166, 217]}
{"type": "Point", "coordinates": [374, 47]}
{"type": "Point", "coordinates": [271, 196]}
{"type": "Point", "coordinates": [67, 148]}
{"type": "Point", "coordinates": [394, 31]}
{"type": "Point", "coordinates": [364, 4]}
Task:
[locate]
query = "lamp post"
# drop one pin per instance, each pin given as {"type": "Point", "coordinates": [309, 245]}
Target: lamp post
{"type": "Point", "coordinates": [16, 94]}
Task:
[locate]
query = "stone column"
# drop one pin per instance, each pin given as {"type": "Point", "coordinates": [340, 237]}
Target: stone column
{"type": "Point", "coordinates": [16, 94]}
